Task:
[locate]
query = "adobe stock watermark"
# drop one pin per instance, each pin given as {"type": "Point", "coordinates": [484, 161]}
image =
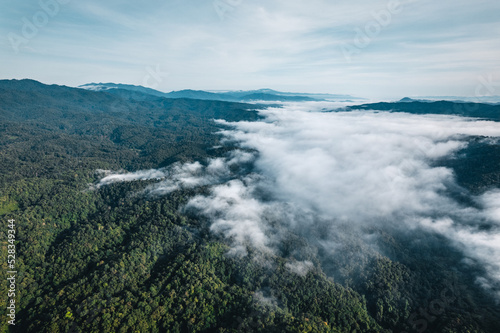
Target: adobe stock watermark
{"type": "Point", "coordinates": [154, 77]}
{"type": "Point", "coordinates": [31, 26]}
{"type": "Point", "coordinates": [224, 7]}
{"type": "Point", "coordinates": [80, 313]}
{"type": "Point", "coordinates": [363, 37]}
{"type": "Point", "coordinates": [420, 320]}
{"type": "Point", "coordinates": [486, 86]}
{"type": "Point", "coordinates": [11, 273]}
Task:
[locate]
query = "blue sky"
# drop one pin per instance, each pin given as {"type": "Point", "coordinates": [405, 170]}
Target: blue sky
{"type": "Point", "coordinates": [366, 48]}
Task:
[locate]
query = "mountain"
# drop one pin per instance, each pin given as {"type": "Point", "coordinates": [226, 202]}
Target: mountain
{"type": "Point", "coordinates": [231, 96]}
{"type": "Point", "coordinates": [120, 120]}
{"type": "Point", "coordinates": [198, 94]}
{"type": "Point", "coordinates": [409, 100]}
{"type": "Point", "coordinates": [460, 99]}
{"type": "Point", "coordinates": [110, 86]}
{"type": "Point", "coordinates": [117, 258]}
{"type": "Point", "coordinates": [102, 260]}
{"type": "Point", "coordinates": [465, 109]}
{"type": "Point", "coordinates": [406, 100]}
{"type": "Point", "coordinates": [271, 97]}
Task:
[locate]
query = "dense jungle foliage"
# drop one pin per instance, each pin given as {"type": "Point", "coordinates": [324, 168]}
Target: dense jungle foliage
{"type": "Point", "coordinates": [109, 261]}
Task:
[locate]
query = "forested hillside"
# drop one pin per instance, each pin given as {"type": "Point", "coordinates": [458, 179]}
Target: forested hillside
{"type": "Point", "coordinates": [112, 260]}
{"type": "Point", "coordinates": [466, 109]}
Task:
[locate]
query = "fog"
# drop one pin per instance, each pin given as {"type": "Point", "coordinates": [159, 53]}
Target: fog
{"type": "Point", "coordinates": [375, 168]}
{"type": "Point", "coordinates": [181, 176]}
{"type": "Point", "coordinates": [317, 173]}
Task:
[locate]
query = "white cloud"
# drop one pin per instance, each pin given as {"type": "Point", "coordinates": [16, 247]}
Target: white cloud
{"type": "Point", "coordinates": [181, 176]}
{"type": "Point", "coordinates": [430, 47]}
{"type": "Point", "coordinates": [236, 213]}
{"type": "Point", "coordinates": [300, 268]}
{"type": "Point", "coordinates": [336, 170]}
{"type": "Point", "coordinates": [368, 167]}
{"type": "Point", "coordinates": [134, 176]}
{"type": "Point", "coordinates": [358, 165]}
{"type": "Point", "coordinates": [491, 203]}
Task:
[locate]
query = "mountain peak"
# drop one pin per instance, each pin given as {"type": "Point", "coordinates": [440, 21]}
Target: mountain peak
{"type": "Point", "coordinates": [406, 100]}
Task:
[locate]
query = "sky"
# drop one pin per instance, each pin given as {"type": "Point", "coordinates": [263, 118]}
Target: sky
{"type": "Point", "coordinates": [366, 48]}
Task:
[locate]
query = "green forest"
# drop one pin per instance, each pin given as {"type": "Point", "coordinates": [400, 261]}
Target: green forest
{"type": "Point", "coordinates": [108, 261]}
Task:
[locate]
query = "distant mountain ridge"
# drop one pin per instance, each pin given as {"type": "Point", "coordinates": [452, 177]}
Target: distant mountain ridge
{"type": "Point", "coordinates": [408, 105]}
{"type": "Point", "coordinates": [109, 86]}
{"type": "Point", "coordinates": [461, 99]}
{"type": "Point", "coordinates": [230, 96]}
{"type": "Point", "coordinates": [30, 99]}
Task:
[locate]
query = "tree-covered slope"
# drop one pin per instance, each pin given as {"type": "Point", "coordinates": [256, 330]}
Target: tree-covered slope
{"type": "Point", "coordinates": [105, 261]}
{"type": "Point", "coordinates": [466, 109]}
{"type": "Point", "coordinates": [113, 260]}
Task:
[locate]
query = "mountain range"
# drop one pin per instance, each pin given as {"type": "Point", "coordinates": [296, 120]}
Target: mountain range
{"type": "Point", "coordinates": [231, 96]}
{"type": "Point", "coordinates": [464, 109]}
{"type": "Point", "coordinates": [114, 259]}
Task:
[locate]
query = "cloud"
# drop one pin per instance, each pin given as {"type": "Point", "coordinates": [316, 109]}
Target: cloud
{"type": "Point", "coordinates": [481, 245]}
{"type": "Point", "coordinates": [182, 176]}
{"type": "Point", "coordinates": [373, 168]}
{"type": "Point", "coordinates": [236, 213]}
{"type": "Point", "coordinates": [430, 47]}
{"type": "Point", "coordinates": [358, 165]}
{"type": "Point", "coordinates": [300, 268]}
{"type": "Point", "coordinates": [134, 176]}
{"type": "Point", "coordinates": [328, 176]}
{"type": "Point", "coordinates": [266, 299]}
{"type": "Point", "coordinates": [491, 203]}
